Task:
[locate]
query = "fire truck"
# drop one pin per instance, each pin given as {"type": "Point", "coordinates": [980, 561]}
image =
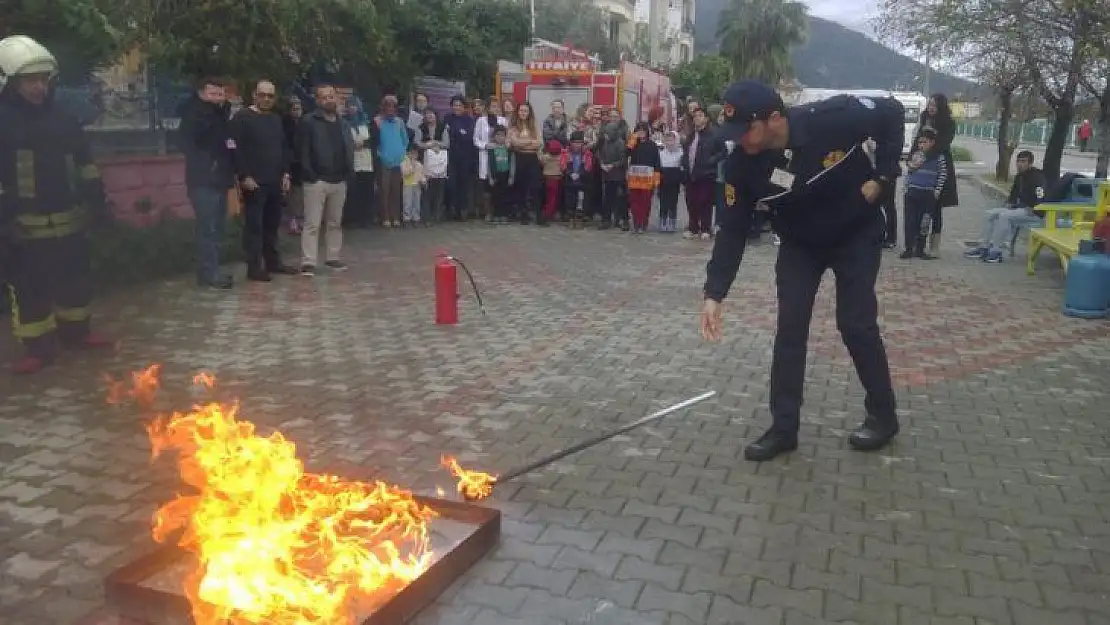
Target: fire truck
{"type": "Point", "coordinates": [551, 71]}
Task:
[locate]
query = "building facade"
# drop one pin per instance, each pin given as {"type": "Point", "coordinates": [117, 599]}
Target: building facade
{"type": "Point", "coordinates": [670, 26]}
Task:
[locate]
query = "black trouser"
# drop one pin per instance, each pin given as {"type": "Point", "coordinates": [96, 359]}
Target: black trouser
{"type": "Point", "coordinates": [261, 220]}
{"type": "Point", "coordinates": [614, 203]}
{"type": "Point", "coordinates": [50, 286]}
{"type": "Point", "coordinates": [460, 187]}
{"type": "Point", "coordinates": [890, 212]}
{"type": "Point", "coordinates": [759, 222]}
{"type": "Point", "coordinates": [595, 188]}
{"type": "Point", "coordinates": [360, 206]}
{"type": "Point", "coordinates": [432, 200]}
{"type": "Point", "coordinates": [526, 185]}
{"type": "Point", "coordinates": [919, 206]}
{"type": "Point", "coordinates": [799, 269]}
{"type": "Point", "coordinates": [571, 189]}
{"type": "Point", "coordinates": [668, 201]}
{"type": "Point", "coordinates": [500, 195]}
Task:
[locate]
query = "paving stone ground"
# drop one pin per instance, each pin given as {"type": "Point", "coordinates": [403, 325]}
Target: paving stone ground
{"type": "Point", "coordinates": [993, 507]}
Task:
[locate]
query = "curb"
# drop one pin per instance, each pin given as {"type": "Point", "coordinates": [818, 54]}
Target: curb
{"type": "Point", "coordinates": [985, 187]}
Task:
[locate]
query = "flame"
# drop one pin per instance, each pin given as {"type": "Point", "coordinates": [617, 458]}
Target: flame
{"type": "Point", "coordinates": [143, 387]}
{"type": "Point", "coordinates": [277, 545]}
{"type": "Point", "coordinates": [473, 485]}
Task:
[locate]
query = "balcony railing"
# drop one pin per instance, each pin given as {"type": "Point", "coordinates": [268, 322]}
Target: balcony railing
{"type": "Point", "coordinates": [688, 27]}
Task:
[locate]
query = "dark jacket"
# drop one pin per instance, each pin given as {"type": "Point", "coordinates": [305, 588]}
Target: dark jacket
{"type": "Point", "coordinates": [946, 132]}
{"type": "Point", "coordinates": [315, 147]}
{"type": "Point", "coordinates": [645, 153]}
{"type": "Point", "coordinates": [261, 150]}
{"type": "Point", "coordinates": [289, 125]}
{"type": "Point", "coordinates": [460, 131]}
{"type": "Point", "coordinates": [710, 152]}
{"type": "Point", "coordinates": [204, 137]}
{"type": "Point", "coordinates": [1028, 190]}
{"type": "Point", "coordinates": [46, 166]}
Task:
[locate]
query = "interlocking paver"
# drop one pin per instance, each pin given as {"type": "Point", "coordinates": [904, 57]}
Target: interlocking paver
{"type": "Point", "coordinates": [990, 508]}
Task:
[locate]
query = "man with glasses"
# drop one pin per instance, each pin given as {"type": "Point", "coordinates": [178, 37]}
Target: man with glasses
{"type": "Point", "coordinates": [261, 159]}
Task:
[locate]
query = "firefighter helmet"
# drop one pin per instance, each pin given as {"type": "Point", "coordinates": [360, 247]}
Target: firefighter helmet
{"type": "Point", "coordinates": [20, 55]}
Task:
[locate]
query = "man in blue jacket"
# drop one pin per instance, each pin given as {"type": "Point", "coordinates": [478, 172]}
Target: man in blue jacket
{"type": "Point", "coordinates": [462, 158]}
{"type": "Point", "coordinates": [830, 220]}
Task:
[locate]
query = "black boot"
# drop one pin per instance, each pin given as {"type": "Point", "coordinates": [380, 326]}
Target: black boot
{"type": "Point", "coordinates": [773, 443]}
{"type": "Point", "coordinates": [257, 272]}
{"type": "Point", "coordinates": [873, 434]}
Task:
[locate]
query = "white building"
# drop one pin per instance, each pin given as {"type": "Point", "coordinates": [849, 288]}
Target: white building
{"type": "Point", "coordinates": [670, 28]}
{"type": "Point", "coordinates": [620, 22]}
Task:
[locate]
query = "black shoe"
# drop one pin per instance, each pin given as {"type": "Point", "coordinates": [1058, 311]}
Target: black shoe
{"type": "Point", "coordinates": [221, 283]}
{"type": "Point", "coordinates": [890, 245]}
{"type": "Point", "coordinates": [336, 265]}
{"type": "Point", "coordinates": [258, 274]}
{"type": "Point", "coordinates": [624, 226]}
{"type": "Point", "coordinates": [283, 269]}
{"type": "Point", "coordinates": [906, 255]}
{"type": "Point", "coordinates": [770, 445]}
{"type": "Point", "coordinates": [308, 270]}
{"type": "Point", "coordinates": [871, 436]}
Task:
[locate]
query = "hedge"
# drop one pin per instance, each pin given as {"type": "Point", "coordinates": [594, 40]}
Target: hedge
{"type": "Point", "coordinates": [124, 255]}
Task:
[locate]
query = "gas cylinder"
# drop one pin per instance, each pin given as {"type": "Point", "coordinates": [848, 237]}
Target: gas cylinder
{"type": "Point", "coordinates": [1087, 295]}
{"type": "Point", "coordinates": [447, 290]}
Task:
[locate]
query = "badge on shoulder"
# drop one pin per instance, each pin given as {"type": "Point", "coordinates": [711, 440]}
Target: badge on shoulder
{"type": "Point", "coordinates": [782, 178]}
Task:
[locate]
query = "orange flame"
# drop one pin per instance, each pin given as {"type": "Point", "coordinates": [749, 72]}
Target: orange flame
{"type": "Point", "coordinates": [143, 387]}
{"type": "Point", "coordinates": [473, 485]}
{"type": "Point", "coordinates": [277, 545]}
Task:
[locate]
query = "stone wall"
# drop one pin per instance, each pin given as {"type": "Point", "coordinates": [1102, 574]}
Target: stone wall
{"type": "Point", "coordinates": [144, 189]}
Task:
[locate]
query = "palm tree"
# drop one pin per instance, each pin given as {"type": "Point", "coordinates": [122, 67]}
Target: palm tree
{"type": "Point", "coordinates": [756, 36]}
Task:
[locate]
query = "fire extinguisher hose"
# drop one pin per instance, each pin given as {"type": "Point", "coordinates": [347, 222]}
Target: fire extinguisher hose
{"type": "Point", "coordinates": [473, 284]}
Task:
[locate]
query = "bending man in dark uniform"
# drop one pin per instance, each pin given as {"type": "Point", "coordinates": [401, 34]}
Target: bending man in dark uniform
{"type": "Point", "coordinates": [842, 232]}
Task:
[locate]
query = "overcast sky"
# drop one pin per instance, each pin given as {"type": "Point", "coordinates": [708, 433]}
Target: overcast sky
{"type": "Point", "coordinates": [852, 13]}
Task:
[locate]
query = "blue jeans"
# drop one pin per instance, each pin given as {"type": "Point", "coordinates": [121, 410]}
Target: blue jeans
{"type": "Point", "coordinates": [210, 207]}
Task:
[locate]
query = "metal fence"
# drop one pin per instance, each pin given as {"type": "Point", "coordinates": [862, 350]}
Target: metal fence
{"type": "Point", "coordinates": [1028, 133]}
{"type": "Point", "coordinates": [126, 120]}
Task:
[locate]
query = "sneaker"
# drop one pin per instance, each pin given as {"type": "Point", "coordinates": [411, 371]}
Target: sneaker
{"type": "Point", "coordinates": [308, 270]}
{"type": "Point", "coordinates": [906, 255]}
{"type": "Point", "coordinates": [994, 256]}
{"type": "Point", "coordinates": [221, 283]}
{"type": "Point", "coordinates": [336, 265]}
{"type": "Point", "coordinates": [775, 240]}
{"type": "Point", "coordinates": [689, 235]}
{"type": "Point", "coordinates": [705, 236]}
{"type": "Point", "coordinates": [977, 252]}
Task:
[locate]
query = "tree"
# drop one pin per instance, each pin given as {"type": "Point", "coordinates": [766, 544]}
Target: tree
{"type": "Point", "coordinates": [462, 41]}
{"type": "Point", "coordinates": [275, 39]}
{"type": "Point", "coordinates": [579, 23]}
{"type": "Point", "coordinates": [756, 36]}
{"type": "Point", "coordinates": [1097, 84]}
{"type": "Point", "coordinates": [83, 34]}
{"type": "Point", "coordinates": [1006, 74]}
{"type": "Point", "coordinates": [706, 77]}
{"type": "Point", "coordinates": [1054, 39]}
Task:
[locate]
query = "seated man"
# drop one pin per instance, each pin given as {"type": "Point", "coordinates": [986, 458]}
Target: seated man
{"type": "Point", "coordinates": [1028, 190]}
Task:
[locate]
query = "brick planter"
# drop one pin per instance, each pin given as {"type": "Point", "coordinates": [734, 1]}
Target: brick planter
{"type": "Point", "coordinates": [145, 189]}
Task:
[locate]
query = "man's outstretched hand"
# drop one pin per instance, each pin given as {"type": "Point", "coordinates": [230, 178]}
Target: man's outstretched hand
{"type": "Point", "coordinates": [711, 320]}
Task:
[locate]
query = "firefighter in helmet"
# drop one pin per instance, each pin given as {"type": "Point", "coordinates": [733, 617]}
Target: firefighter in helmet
{"type": "Point", "coordinates": [49, 190]}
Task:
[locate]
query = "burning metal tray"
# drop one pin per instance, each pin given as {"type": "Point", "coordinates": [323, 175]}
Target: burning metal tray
{"type": "Point", "coordinates": [149, 590]}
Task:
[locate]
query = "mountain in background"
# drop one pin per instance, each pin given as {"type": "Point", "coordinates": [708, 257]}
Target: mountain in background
{"type": "Point", "coordinates": [837, 57]}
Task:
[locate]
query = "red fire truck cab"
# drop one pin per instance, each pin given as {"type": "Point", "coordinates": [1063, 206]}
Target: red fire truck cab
{"type": "Point", "coordinates": [552, 71]}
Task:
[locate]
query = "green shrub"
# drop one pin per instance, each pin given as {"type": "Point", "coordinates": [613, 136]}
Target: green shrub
{"type": "Point", "coordinates": [123, 254]}
{"type": "Point", "coordinates": [961, 154]}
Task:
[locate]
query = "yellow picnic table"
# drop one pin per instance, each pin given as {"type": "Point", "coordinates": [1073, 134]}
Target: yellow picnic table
{"type": "Point", "coordinates": [1064, 239]}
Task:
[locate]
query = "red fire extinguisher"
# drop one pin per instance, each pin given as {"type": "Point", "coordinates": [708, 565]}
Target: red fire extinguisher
{"type": "Point", "coordinates": [447, 289]}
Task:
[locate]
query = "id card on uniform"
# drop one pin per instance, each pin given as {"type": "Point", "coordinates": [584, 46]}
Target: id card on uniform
{"type": "Point", "coordinates": [782, 178]}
